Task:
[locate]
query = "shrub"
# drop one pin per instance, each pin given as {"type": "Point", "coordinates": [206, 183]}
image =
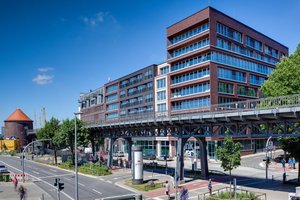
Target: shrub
{"type": "Point", "coordinates": [12, 153]}
{"type": "Point", "coordinates": [240, 196]}
{"type": "Point", "coordinates": [94, 169]}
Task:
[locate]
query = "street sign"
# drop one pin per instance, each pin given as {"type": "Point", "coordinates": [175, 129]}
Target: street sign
{"type": "Point", "coordinates": [270, 145]}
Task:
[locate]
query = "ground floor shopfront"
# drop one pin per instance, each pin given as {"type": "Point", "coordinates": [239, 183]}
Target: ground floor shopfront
{"type": "Point", "coordinates": [166, 146]}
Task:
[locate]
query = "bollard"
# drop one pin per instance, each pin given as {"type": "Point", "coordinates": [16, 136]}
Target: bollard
{"type": "Point", "coordinates": [284, 177]}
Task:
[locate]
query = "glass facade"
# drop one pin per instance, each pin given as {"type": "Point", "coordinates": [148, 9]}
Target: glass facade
{"type": "Point", "coordinates": [164, 70]}
{"type": "Point", "coordinates": [225, 88]}
{"type": "Point", "coordinates": [112, 115]}
{"type": "Point", "coordinates": [191, 103]}
{"type": "Point", "coordinates": [250, 42]}
{"type": "Point", "coordinates": [190, 76]}
{"type": "Point", "coordinates": [161, 95]}
{"type": "Point", "coordinates": [161, 107]}
{"type": "Point", "coordinates": [112, 97]}
{"type": "Point", "coordinates": [256, 80]}
{"type": "Point", "coordinates": [189, 34]}
{"type": "Point", "coordinates": [190, 48]}
{"type": "Point", "coordinates": [233, 61]}
{"type": "Point", "coordinates": [112, 88]}
{"type": "Point", "coordinates": [271, 52]}
{"type": "Point", "coordinates": [192, 89]}
{"type": "Point", "coordinates": [113, 106]}
{"type": "Point", "coordinates": [231, 75]}
{"type": "Point", "coordinates": [229, 32]}
{"type": "Point", "coordinates": [246, 91]}
{"type": "Point", "coordinates": [190, 62]}
{"type": "Point", "coordinates": [222, 100]}
{"type": "Point", "coordinates": [161, 83]}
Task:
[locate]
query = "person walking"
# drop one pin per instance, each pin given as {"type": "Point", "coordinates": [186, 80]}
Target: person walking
{"type": "Point", "coordinates": [22, 192]}
{"type": "Point", "coordinates": [283, 164]}
{"type": "Point", "coordinates": [209, 186]}
{"type": "Point", "coordinates": [15, 182]}
{"type": "Point", "coordinates": [167, 189]}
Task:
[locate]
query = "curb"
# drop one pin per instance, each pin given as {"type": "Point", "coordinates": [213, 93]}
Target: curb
{"type": "Point", "coordinates": [127, 187]}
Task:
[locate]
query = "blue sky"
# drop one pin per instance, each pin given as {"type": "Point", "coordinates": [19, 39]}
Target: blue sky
{"type": "Point", "coordinates": [50, 51]}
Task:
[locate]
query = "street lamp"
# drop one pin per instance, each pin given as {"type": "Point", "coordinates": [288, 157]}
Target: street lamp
{"type": "Point", "coordinates": [76, 157]}
{"type": "Point", "coordinates": [23, 168]}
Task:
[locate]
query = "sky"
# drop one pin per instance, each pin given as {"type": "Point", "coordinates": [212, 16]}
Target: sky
{"type": "Point", "coordinates": [52, 50]}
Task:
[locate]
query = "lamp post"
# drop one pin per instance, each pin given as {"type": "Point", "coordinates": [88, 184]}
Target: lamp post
{"type": "Point", "coordinates": [23, 168]}
{"type": "Point", "coordinates": [76, 157]}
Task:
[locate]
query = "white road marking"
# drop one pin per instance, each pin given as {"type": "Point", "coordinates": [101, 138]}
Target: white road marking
{"type": "Point", "coordinates": [97, 191]}
{"type": "Point", "coordinates": [68, 179]}
{"type": "Point", "coordinates": [81, 184]}
{"type": "Point", "coordinates": [101, 179]}
{"type": "Point", "coordinates": [116, 178]}
{"type": "Point", "coordinates": [35, 172]}
{"type": "Point", "coordinates": [57, 176]}
{"type": "Point", "coordinates": [37, 179]}
{"type": "Point", "coordinates": [109, 181]}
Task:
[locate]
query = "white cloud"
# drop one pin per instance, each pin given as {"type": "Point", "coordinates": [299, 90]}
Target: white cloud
{"type": "Point", "coordinates": [95, 20]}
{"type": "Point", "coordinates": [45, 69]}
{"type": "Point", "coordinates": [43, 79]}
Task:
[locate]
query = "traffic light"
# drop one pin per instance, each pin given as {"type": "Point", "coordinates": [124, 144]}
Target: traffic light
{"type": "Point", "coordinates": [61, 186]}
{"type": "Point", "coordinates": [56, 181]}
{"type": "Point", "coordinates": [267, 160]}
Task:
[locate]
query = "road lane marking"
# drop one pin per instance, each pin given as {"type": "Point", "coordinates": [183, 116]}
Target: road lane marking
{"type": "Point", "coordinates": [108, 181]}
{"type": "Point", "coordinates": [35, 172]}
{"type": "Point", "coordinates": [37, 179]}
{"type": "Point", "coordinates": [81, 184]}
{"type": "Point", "coordinates": [53, 170]}
{"type": "Point", "coordinates": [116, 178]}
{"type": "Point", "coordinates": [57, 176]}
{"type": "Point", "coordinates": [97, 191]}
{"type": "Point", "coordinates": [101, 179]}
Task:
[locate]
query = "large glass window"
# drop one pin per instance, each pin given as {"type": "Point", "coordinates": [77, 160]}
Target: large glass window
{"type": "Point", "coordinates": [271, 52]}
{"type": "Point", "coordinates": [240, 63]}
{"type": "Point", "coordinates": [231, 75]}
{"type": "Point", "coordinates": [149, 74]}
{"type": "Point", "coordinates": [164, 70]}
{"type": "Point", "coordinates": [113, 106]}
{"type": "Point", "coordinates": [192, 89]}
{"type": "Point", "coordinates": [191, 62]}
{"type": "Point", "coordinates": [161, 95]}
{"type": "Point", "coordinates": [112, 97]}
{"type": "Point", "coordinates": [246, 91]}
{"type": "Point", "coordinates": [149, 97]}
{"type": "Point", "coordinates": [161, 83]}
{"type": "Point", "coordinates": [250, 42]}
{"type": "Point", "coordinates": [222, 100]}
{"type": "Point", "coordinates": [190, 48]}
{"type": "Point", "coordinates": [226, 88]}
{"type": "Point", "coordinates": [190, 76]}
{"type": "Point", "coordinates": [161, 107]}
{"type": "Point", "coordinates": [189, 34]}
{"type": "Point", "coordinates": [229, 32]}
{"type": "Point", "coordinates": [112, 115]}
{"type": "Point", "coordinates": [112, 88]}
{"type": "Point", "coordinates": [256, 80]}
{"type": "Point", "coordinates": [191, 103]}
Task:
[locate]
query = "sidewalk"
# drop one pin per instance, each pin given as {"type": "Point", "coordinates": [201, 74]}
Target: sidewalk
{"type": "Point", "coordinates": [7, 191]}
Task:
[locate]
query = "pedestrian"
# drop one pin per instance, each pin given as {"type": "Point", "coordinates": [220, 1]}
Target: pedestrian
{"type": "Point", "coordinates": [184, 194]}
{"type": "Point", "coordinates": [209, 186]}
{"type": "Point", "coordinates": [22, 192]}
{"type": "Point", "coordinates": [15, 182]}
{"type": "Point", "coordinates": [119, 162]}
{"type": "Point", "coordinates": [283, 164]}
{"type": "Point", "coordinates": [167, 189]}
{"type": "Point", "coordinates": [294, 163]}
{"type": "Point", "coordinates": [290, 163]}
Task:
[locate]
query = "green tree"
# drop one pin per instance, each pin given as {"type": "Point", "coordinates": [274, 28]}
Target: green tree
{"type": "Point", "coordinates": [229, 154]}
{"type": "Point", "coordinates": [285, 80]}
{"type": "Point", "coordinates": [66, 135]}
{"type": "Point", "coordinates": [49, 131]}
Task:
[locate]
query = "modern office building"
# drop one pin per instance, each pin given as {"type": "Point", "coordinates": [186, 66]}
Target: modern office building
{"type": "Point", "coordinates": [211, 59]}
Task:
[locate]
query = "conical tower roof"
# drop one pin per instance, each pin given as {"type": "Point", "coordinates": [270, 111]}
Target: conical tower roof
{"type": "Point", "coordinates": [18, 115]}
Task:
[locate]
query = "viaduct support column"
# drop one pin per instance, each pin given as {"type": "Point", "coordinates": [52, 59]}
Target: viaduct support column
{"type": "Point", "coordinates": [203, 156]}
{"type": "Point", "coordinates": [129, 150]}
{"type": "Point", "coordinates": [110, 152]}
{"type": "Point", "coordinates": [180, 154]}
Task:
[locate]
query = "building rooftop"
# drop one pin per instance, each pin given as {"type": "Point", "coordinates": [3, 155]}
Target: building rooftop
{"type": "Point", "coordinates": [18, 115]}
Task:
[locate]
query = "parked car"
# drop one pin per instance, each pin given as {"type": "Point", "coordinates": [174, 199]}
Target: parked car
{"type": "Point", "coordinates": [119, 154]}
{"type": "Point", "coordinates": [3, 169]}
{"type": "Point", "coordinates": [162, 158]}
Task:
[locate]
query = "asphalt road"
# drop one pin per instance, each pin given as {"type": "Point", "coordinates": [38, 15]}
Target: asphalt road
{"type": "Point", "coordinates": [44, 176]}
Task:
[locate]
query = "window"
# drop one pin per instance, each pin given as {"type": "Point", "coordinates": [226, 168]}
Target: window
{"type": "Point", "coordinates": [112, 97]}
{"type": "Point", "coordinates": [222, 100]}
{"type": "Point", "coordinates": [190, 90]}
{"type": "Point", "coordinates": [190, 48]}
{"type": "Point", "coordinates": [250, 42]}
{"type": "Point", "coordinates": [246, 91]}
{"type": "Point", "coordinates": [231, 75]}
{"type": "Point", "coordinates": [191, 33]}
{"type": "Point", "coordinates": [149, 97]}
{"type": "Point", "coordinates": [149, 74]}
{"type": "Point", "coordinates": [161, 83]}
{"type": "Point", "coordinates": [191, 103]}
{"type": "Point", "coordinates": [112, 88]}
{"type": "Point", "coordinates": [161, 96]}
{"type": "Point", "coordinates": [256, 80]}
{"type": "Point", "coordinates": [123, 113]}
{"type": "Point", "coordinates": [122, 93]}
{"type": "Point", "coordinates": [225, 88]}
{"type": "Point", "coordinates": [161, 107]}
{"type": "Point", "coordinates": [190, 76]}
{"type": "Point", "coordinates": [271, 52]}
{"type": "Point", "coordinates": [191, 62]}
{"type": "Point", "coordinates": [113, 106]}
{"type": "Point", "coordinates": [112, 115]}
{"type": "Point", "coordinates": [164, 70]}
{"type": "Point", "coordinates": [229, 32]}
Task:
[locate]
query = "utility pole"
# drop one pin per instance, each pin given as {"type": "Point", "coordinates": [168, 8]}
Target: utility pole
{"type": "Point", "coordinates": [57, 185]}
